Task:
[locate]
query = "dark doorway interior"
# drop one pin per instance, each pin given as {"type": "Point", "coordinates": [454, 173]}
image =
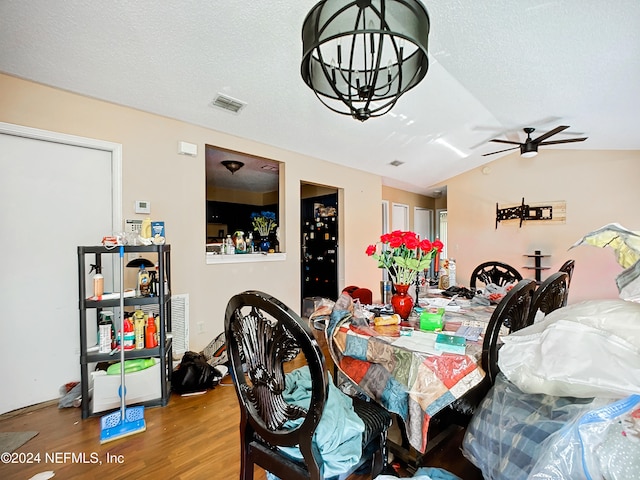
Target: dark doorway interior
{"type": "Point", "coordinates": [320, 246]}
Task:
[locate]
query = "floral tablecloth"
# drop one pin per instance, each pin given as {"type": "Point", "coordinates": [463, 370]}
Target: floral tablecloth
{"type": "Point", "coordinates": [404, 374]}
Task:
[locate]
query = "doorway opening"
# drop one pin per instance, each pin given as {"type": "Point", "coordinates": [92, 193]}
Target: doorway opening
{"type": "Point", "coordinates": [319, 241]}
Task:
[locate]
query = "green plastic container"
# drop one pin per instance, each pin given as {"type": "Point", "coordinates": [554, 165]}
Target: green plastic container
{"type": "Point", "coordinates": [432, 321]}
{"type": "Point", "coordinates": [131, 366]}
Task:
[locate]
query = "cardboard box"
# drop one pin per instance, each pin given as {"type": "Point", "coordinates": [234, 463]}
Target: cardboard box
{"type": "Point", "coordinates": [140, 387]}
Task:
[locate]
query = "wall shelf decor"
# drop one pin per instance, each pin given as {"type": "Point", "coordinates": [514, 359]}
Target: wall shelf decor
{"type": "Point", "coordinates": [537, 256]}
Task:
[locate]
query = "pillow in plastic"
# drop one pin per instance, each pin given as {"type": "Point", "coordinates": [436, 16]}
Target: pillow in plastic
{"type": "Point", "coordinates": [589, 349]}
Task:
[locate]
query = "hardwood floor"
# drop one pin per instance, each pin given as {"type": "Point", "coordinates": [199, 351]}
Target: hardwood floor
{"type": "Point", "coordinates": [191, 438]}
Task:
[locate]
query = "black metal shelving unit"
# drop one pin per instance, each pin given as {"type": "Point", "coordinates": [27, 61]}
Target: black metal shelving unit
{"type": "Point", "coordinates": [164, 350]}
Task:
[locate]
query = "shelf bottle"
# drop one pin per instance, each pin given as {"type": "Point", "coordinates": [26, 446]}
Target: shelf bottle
{"type": "Point", "coordinates": [144, 282]}
{"type": "Point", "coordinates": [98, 281]}
{"type": "Point", "coordinates": [150, 339]}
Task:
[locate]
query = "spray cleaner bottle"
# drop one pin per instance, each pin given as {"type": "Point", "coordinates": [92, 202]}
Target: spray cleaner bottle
{"type": "Point", "coordinates": [98, 281]}
{"type": "Point", "coordinates": [144, 282]}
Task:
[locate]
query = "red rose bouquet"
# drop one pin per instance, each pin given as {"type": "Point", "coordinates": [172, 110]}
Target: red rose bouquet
{"type": "Point", "coordinates": [403, 254]}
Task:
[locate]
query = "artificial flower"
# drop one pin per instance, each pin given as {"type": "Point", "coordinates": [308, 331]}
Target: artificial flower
{"type": "Point", "coordinates": [264, 222]}
{"type": "Point", "coordinates": [403, 254]}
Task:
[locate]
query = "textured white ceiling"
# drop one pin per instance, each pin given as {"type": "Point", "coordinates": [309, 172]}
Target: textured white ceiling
{"type": "Point", "coordinates": [495, 67]}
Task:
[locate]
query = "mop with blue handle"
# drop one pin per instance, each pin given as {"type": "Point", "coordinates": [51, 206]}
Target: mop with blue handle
{"type": "Point", "coordinates": [126, 421]}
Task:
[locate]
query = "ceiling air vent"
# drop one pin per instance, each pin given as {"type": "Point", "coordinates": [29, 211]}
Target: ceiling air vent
{"type": "Point", "coordinates": [227, 103]}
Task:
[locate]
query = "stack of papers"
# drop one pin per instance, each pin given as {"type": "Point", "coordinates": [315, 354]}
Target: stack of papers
{"type": "Point", "coordinates": [470, 333]}
{"type": "Point", "coordinates": [443, 303]}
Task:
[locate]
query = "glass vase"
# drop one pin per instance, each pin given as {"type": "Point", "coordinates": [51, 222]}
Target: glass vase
{"type": "Point", "coordinates": [401, 301]}
{"type": "Point", "coordinates": [265, 244]}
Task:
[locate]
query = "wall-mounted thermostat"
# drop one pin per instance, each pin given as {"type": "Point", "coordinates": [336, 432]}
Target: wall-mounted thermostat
{"type": "Point", "coordinates": [142, 206]}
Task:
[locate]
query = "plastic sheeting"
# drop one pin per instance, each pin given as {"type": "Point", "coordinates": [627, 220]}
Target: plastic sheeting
{"type": "Point", "coordinates": [590, 349]}
{"type": "Point", "coordinates": [507, 433]}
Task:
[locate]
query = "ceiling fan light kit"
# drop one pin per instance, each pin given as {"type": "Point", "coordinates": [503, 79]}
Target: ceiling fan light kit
{"type": "Point", "coordinates": [529, 148]}
{"type": "Point", "coordinates": [360, 56]}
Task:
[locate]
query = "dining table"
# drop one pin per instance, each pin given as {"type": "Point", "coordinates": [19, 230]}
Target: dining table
{"type": "Point", "coordinates": [399, 365]}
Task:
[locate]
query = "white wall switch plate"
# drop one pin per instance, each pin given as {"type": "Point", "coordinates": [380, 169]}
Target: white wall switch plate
{"type": "Point", "coordinates": [143, 206]}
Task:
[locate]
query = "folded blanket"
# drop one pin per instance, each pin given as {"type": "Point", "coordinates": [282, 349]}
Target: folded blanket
{"type": "Point", "coordinates": [339, 433]}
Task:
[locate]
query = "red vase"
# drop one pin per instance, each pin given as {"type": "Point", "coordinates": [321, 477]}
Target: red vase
{"type": "Point", "coordinates": [401, 301]}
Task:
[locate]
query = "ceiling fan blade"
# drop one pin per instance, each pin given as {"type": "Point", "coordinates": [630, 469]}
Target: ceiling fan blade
{"type": "Point", "coordinates": [504, 141]}
{"type": "Point", "coordinates": [550, 133]}
{"type": "Point", "coordinates": [568, 140]}
{"type": "Point", "coordinates": [499, 151]}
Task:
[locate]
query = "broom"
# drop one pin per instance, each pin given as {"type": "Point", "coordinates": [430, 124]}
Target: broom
{"type": "Point", "coordinates": [126, 421]}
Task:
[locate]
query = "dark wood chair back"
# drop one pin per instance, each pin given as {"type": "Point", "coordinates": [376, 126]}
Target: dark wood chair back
{"type": "Point", "coordinates": [513, 313]}
{"type": "Point", "coordinates": [494, 272]}
{"type": "Point", "coordinates": [568, 267]}
{"type": "Point", "coordinates": [263, 337]}
{"type": "Point", "coordinates": [550, 295]}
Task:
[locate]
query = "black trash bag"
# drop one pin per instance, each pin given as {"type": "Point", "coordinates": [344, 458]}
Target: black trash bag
{"type": "Point", "coordinates": [194, 374]}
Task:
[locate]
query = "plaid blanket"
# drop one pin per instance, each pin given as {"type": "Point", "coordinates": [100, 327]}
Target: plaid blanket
{"type": "Point", "coordinates": [412, 384]}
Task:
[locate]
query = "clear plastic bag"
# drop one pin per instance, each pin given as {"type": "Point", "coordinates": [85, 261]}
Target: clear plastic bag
{"type": "Point", "coordinates": [508, 430]}
{"type": "Point", "coordinates": [602, 443]}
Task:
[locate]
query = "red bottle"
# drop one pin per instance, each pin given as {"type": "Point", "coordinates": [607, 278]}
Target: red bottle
{"type": "Point", "coordinates": [150, 339]}
{"type": "Point", "coordinates": [129, 335]}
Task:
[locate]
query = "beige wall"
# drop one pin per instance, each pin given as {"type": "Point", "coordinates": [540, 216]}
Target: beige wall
{"type": "Point", "coordinates": [247, 197]}
{"type": "Point", "coordinates": [175, 186]}
{"type": "Point", "coordinates": [599, 187]}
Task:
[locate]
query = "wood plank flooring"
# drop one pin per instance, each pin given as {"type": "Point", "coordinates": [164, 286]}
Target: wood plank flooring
{"type": "Point", "coordinates": [192, 438]}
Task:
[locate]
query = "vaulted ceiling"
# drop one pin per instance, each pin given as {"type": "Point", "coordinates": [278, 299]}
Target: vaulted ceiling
{"type": "Point", "coordinates": [495, 67]}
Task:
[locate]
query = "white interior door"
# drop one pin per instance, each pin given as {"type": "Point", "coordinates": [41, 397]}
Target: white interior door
{"type": "Point", "coordinates": [54, 197]}
{"type": "Point", "coordinates": [423, 222]}
{"type": "Point", "coordinates": [400, 217]}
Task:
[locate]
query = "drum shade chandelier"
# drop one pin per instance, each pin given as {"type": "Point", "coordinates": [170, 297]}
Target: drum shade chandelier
{"type": "Point", "coordinates": [360, 56]}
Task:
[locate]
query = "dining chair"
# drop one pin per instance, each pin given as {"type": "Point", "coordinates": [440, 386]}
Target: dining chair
{"type": "Point", "coordinates": [512, 314]}
{"type": "Point", "coordinates": [494, 272]}
{"type": "Point", "coordinates": [264, 337]}
{"type": "Point", "coordinates": [363, 294]}
{"type": "Point", "coordinates": [568, 267]}
{"type": "Point", "coordinates": [550, 295]}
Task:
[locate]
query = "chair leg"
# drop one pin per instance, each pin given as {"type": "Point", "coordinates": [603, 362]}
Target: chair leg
{"type": "Point", "coordinates": [379, 460]}
{"type": "Point", "coordinates": [246, 464]}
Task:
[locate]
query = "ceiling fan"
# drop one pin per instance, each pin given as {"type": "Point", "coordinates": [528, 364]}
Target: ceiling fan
{"type": "Point", "coordinates": [529, 148]}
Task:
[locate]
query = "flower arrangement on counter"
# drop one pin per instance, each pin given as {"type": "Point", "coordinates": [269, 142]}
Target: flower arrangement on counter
{"type": "Point", "coordinates": [264, 222]}
{"type": "Point", "coordinates": [403, 255]}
